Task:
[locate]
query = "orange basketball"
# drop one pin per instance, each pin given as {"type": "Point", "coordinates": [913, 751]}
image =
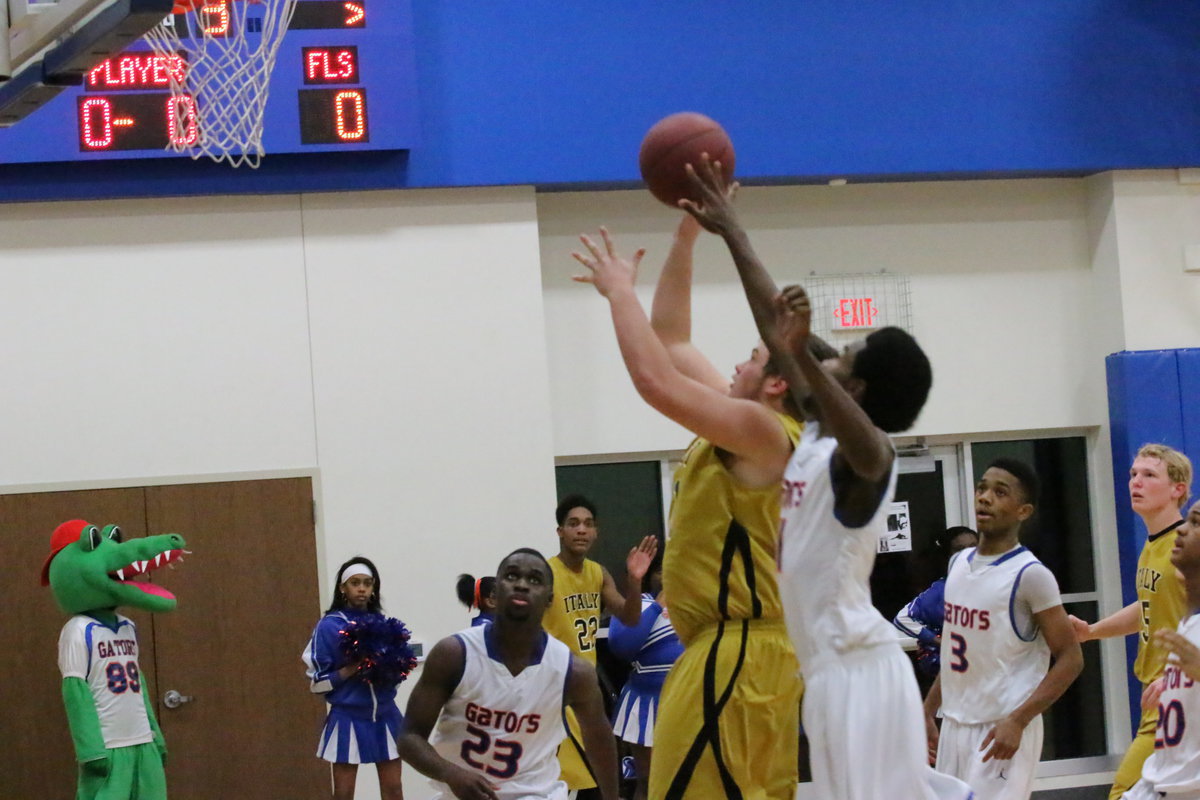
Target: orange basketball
{"type": "Point", "coordinates": [676, 141]}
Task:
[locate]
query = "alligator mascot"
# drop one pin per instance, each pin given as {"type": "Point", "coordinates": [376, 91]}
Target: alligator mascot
{"type": "Point", "coordinates": [118, 744]}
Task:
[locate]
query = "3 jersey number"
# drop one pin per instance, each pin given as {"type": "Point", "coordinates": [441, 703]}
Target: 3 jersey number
{"type": "Point", "coordinates": [587, 632]}
{"type": "Point", "coordinates": [123, 677]}
{"type": "Point", "coordinates": [958, 649]}
{"type": "Point", "coordinates": [505, 753]}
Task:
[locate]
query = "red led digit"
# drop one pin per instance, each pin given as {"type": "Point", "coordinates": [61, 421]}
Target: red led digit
{"type": "Point", "coordinates": [220, 25]}
{"type": "Point", "coordinates": [96, 110]}
{"type": "Point", "coordinates": [350, 115]}
{"type": "Point", "coordinates": [182, 129]}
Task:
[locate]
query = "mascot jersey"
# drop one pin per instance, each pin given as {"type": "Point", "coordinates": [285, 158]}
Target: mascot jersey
{"type": "Point", "coordinates": [107, 661]}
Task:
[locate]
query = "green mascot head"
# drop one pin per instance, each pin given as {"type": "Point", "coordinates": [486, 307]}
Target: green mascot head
{"type": "Point", "coordinates": [92, 570]}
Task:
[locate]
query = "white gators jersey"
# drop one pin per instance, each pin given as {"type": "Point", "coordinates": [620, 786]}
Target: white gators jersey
{"type": "Point", "coordinates": [107, 661]}
{"type": "Point", "coordinates": [989, 667]}
{"type": "Point", "coordinates": [825, 567]}
{"type": "Point", "coordinates": [1175, 765]}
{"type": "Point", "coordinates": [506, 727]}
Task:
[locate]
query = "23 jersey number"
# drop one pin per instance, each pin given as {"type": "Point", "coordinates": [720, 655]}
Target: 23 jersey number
{"type": "Point", "coordinates": [506, 754]}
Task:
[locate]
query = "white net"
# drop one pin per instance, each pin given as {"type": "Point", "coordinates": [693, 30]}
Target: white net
{"type": "Point", "coordinates": [219, 89]}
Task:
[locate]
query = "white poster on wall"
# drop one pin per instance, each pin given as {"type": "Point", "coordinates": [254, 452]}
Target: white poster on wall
{"type": "Point", "coordinates": [898, 536]}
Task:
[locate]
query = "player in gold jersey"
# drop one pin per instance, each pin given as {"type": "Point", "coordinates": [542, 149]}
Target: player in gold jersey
{"type": "Point", "coordinates": [728, 719]}
{"type": "Point", "coordinates": [1159, 482]}
{"type": "Point", "coordinates": [582, 589]}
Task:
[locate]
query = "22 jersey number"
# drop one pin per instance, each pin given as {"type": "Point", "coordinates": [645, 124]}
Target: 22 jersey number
{"type": "Point", "coordinates": [505, 753]}
{"type": "Point", "coordinates": [587, 632]}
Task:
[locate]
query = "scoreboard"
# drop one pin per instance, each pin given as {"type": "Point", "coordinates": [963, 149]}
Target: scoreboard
{"type": "Point", "coordinates": [344, 80]}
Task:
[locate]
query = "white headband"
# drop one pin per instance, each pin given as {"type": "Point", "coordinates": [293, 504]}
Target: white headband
{"type": "Point", "coordinates": [352, 570]}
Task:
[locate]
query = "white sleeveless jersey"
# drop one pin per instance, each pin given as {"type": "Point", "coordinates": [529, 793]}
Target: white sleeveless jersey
{"type": "Point", "coordinates": [825, 567]}
{"type": "Point", "coordinates": [1175, 765]}
{"type": "Point", "coordinates": [989, 667]}
{"type": "Point", "coordinates": [107, 661]}
{"type": "Point", "coordinates": [506, 727]}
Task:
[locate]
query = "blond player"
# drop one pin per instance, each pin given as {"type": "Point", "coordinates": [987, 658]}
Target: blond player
{"type": "Point", "coordinates": [1159, 482]}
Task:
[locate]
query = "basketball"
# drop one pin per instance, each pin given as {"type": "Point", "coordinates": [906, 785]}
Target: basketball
{"type": "Point", "coordinates": [676, 141]}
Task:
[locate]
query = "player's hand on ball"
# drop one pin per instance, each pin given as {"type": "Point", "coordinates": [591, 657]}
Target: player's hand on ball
{"type": "Point", "coordinates": [608, 271]}
{"type": "Point", "coordinates": [1151, 693]}
{"type": "Point", "coordinates": [1187, 653]}
{"type": "Point", "coordinates": [468, 785]}
{"type": "Point", "coordinates": [715, 209]}
{"type": "Point", "coordinates": [1004, 739]}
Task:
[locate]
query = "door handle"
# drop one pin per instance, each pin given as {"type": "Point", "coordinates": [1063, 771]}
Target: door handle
{"type": "Point", "coordinates": [173, 699]}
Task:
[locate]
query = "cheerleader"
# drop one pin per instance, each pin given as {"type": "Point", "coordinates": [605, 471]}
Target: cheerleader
{"type": "Point", "coordinates": [478, 593]}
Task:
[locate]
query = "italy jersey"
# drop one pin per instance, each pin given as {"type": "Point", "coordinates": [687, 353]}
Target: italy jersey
{"type": "Point", "coordinates": [989, 665]}
{"type": "Point", "coordinates": [1161, 602]}
{"type": "Point", "coordinates": [825, 567]}
{"type": "Point", "coordinates": [1175, 765]}
{"type": "Point", "coordinates": [106, 659]}
{"type": "Point", "coordinates": [574, 615]}
{"type": "Point", "coordinates": [506, 727]}
{"type": "Point", "coordinates": [720, 556]}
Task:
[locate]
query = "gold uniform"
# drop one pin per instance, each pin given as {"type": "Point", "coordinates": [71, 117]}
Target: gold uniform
{"type": "Point", "coordinates": [728, 717]}
{"type": "Point", "coordinates": [1162, 604]}
{"type": "Point", "coordinates": [573, 618]}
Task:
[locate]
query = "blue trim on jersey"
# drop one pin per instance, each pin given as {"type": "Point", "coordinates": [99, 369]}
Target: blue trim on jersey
{"type": "Point", "coordinates": [1012, 601]}
{"type": "Point", "coordinates": [489, 641]}
{"type": "Point", "coordinates": [1010, 554]}
{"type": "Point", "coordinates": [483, 618]}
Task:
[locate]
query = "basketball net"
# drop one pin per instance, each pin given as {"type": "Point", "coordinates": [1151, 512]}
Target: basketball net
{"type": "Point", "coordinates": [219, 90]}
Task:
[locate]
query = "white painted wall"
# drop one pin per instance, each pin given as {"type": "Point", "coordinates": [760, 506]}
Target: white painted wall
{"type": "Point", "coordinates": [1000, 278]}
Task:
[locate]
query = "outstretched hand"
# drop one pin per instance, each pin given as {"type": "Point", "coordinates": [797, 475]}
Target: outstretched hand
{"type": "Point", "coordinates": [1082, 629]}
{"type": "Point", "coordinates": [608, 270]}
{"type": "Point", "coordinates": [715, 209]}
{"type": "Point", "coordinates": [640, 557]}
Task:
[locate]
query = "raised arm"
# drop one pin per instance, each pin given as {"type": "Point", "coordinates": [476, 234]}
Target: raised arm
{"type": "Point", "coordinates": [785, 321]}
{"type": "Point", "coordinates": [671, 311]}
{"type": "Point", "coordinates": [628, 607]}
{"type": "Point", "coordinates": [583, 696]}
{"type": "Point", "coordinates": [439, 678]}
{"type": "Point", "coordinates": [745, 428]}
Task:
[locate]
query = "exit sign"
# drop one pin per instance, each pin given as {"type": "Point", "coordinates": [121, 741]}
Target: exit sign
{"type": "Point", "coordinates": [854, 313]}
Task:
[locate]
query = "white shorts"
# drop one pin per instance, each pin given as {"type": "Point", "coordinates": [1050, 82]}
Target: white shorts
{"type": "Point", "coordinates": [1142, 790]}
{"type": "Point", "coordinates": [959, 755]}
{"type": "Point", "coordinates": [864, 712]}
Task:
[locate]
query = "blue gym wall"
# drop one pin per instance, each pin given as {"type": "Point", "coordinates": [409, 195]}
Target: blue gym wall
{"type": "Point", "coordinates": [558, 94]}
{"type": "Point", "coordinates": [1151, 398]}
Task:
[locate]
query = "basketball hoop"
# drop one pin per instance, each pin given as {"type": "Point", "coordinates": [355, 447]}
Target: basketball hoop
{"type": "Point", "coordinates": [218, 98]}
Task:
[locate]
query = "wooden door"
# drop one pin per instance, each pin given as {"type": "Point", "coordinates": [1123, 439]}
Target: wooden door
{"type": "Point", "coordinates": [38, 758]}
{"type": "Point", "coordinates": [248, 602]}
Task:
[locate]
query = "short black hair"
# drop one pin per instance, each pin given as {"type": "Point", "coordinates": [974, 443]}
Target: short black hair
{"type": "Point", "coordinates": [1031, 484]}
{"type": "Point", "coordinates": [955, 531]}
{"type": "Point", "coordinates": [465, 589]}
{"type": "Point", "coordinates": [897, 375]}
{"type": "Point", "coordinates": [531, 552]}
{"type": "Point", "coordinates": [374, 602]}
{"type": "Point", "coordinates": [573, 501]}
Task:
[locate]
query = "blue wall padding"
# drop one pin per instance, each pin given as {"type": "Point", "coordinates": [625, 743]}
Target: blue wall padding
{"type": "Point", "coordinates": [1153, 396]}
{"type": "Point", "coordinates": [558, 94]}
